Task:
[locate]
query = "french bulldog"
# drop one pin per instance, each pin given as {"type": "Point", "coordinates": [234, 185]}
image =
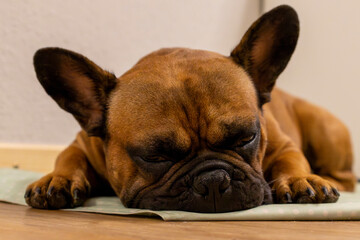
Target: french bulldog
{"type": "Point", "coordinates": [194, 130]}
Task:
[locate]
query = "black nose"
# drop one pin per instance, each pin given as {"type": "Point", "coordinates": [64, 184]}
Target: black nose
{"type": "Point", "coordinates": [212, 183]}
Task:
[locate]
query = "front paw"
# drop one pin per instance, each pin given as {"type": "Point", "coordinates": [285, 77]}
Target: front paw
{"type": "Point", "coordinates": [304, 189]}
{"type": "Point", "coordinates": [55, 191]}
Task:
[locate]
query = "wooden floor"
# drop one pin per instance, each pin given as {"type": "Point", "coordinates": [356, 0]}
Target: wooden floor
{"type": "Point", "coordinates": [20, 222]}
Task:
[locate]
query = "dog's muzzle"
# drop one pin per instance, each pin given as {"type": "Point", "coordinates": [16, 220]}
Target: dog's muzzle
{"type": "Point", "coordinates": [211, 186]}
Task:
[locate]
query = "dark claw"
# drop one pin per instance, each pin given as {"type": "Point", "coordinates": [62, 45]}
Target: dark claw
{"type": "Point", "coordinates": [87, 189]}
{"type": "Point", "coordinates": [336, 192]}
{"type": "Point", "coordinates": [27, 193]}
{"type": "Point", "coordinates": [38, 190]}
{"type": "Point", "coordinates": [325, 191]}
{"type": "Point", "coordinates": [50, 191]}
{"type": "Point", "coordinates": [288, 197]}
{"type": "Point", "coordinates": [76, 194]}
{"type": "Point", "coordinates": [310, 192]}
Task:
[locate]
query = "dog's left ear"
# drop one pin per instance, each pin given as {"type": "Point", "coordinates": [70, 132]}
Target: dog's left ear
{"type": "Point", "coordinates": [266, 48]}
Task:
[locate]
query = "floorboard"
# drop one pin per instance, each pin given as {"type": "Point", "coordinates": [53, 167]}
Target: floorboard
{"type": "Point", "coordinates": [20, 222]}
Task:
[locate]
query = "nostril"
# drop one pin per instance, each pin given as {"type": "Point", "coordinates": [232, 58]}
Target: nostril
{"type": "Point", "coordinates": [225, 183]}
{"type": "Point", "coordinates": [200, 187]}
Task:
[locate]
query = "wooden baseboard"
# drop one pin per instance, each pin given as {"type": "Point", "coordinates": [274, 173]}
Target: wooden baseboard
{"type": "Point", "coordinates": [39, 158]}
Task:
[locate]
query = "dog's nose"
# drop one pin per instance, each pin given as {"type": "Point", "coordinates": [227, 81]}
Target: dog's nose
{"type": "Point", "coordinates": [212, 183]}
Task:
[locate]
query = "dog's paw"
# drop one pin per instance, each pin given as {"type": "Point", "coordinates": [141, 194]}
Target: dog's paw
{"type": "Point", "coordinates": [57, 191]}
{"type": "Point", "coordinates": [306, 189]}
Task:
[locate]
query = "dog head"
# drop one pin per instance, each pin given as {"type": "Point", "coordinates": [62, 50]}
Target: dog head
{"type": "Point", "coordinates": [183, 129]}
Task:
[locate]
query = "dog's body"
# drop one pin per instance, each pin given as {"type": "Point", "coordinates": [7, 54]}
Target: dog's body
{"type": "Point", "coordinates": [194, 130]}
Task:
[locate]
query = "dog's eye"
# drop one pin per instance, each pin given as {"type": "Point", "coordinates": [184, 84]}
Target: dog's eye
{"type": "Point", "coordinates": [155, 158]}
{"type": "Point", "coordinates": [246, 140]}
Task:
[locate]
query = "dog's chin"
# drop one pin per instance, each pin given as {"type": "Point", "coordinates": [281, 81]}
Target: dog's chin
{"type": "Point", "coordinates": [214, 188]}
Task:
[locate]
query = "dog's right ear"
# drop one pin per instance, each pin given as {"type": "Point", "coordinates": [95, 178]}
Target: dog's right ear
{"type": "Point", "coordinates": [77, 84]}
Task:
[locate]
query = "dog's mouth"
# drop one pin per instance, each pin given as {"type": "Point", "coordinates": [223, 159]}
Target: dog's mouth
{"type": "Point", "coordinates": [212, 186]}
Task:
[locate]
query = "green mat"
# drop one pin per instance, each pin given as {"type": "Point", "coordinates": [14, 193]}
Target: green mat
{"type": "Point", "coordinates": [13, 183]}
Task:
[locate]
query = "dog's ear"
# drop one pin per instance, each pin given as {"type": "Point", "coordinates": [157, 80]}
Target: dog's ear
{"type": "Point", "coordinates": [77, 84]}
{"type": "Point", "coordinates": [266, 48]}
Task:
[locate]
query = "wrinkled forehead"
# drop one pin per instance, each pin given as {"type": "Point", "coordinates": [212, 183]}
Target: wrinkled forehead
{"type": "Point", "coordinates": [169, 86]}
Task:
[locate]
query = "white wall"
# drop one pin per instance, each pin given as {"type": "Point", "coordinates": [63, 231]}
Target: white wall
{"type": "Point", "coordinates": [325, 67]}
{"type": "Point", "coordinates": [116, 33]}
{"type": "Point", "coordinates": [113, 33]}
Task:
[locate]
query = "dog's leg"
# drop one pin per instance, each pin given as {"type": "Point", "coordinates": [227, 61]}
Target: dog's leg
{"type": "Point", "coordinates": [69, 185]}
{"type": "Point", "coordinates": [326, 144]}
{"type": "Point", "coordinates": [289, 172]}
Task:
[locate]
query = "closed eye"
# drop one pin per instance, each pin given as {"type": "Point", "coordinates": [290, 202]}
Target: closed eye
{"type": "Point", "coordinates": [155, 158]}
{"type": "Point", "coordinates": [246, 140]}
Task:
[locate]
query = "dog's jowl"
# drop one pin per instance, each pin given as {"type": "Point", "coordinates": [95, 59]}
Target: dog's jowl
{"type": "Point", "coordinates": [194, 130]}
